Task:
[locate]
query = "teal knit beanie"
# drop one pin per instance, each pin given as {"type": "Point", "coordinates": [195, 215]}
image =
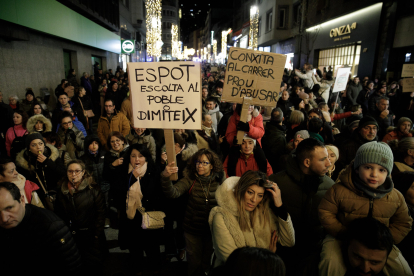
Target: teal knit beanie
{"type": "Point", "coordinates": [375, 152]}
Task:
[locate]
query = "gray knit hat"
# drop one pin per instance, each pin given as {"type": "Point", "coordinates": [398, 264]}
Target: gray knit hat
{"type": "Point", "coordinates": [402, 120]}
{"type": "Point", "coordinates": [375, 152]}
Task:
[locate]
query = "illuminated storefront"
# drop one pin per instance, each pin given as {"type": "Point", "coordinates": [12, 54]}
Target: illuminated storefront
{"type": "Point", "coordinates": [347, 41]}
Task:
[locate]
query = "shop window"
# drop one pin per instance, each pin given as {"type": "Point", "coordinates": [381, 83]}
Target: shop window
{"type": "Point", "coordinates": [269, 20]}
{"type": "Point", "coordinates": [259, 27]}
{"type": "Point", "coordinates": [282, 21]}
{"type": "Point", "coordinates": [407, 57]}
{"type": "Point", "coordinates": [339, 57]}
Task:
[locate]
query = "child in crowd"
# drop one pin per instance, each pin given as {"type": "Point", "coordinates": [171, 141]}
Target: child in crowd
{"type": "Point", "coordinates": [315, 126]}
{"type": "Point", "coordinates": [364, 189]}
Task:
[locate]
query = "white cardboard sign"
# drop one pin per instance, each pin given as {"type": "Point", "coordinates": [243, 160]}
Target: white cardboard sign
{"type": "Point", "coordinates": [166, 95]}
{"type": "Point", "coordinates": [341, 80]}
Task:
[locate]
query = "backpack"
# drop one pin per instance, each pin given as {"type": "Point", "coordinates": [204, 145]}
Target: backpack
{"type": "Point", "coordinates": [17, 145]}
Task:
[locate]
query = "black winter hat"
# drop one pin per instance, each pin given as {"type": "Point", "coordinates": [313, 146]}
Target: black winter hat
{"type": "Point", "coordinates": [30, 92]}
{"type": "Point", "coordinates": [89, 139]}
{"type": "Point", "coordinates": [367, 120]}
{"type": "Point", "coordinates": [31, 137]}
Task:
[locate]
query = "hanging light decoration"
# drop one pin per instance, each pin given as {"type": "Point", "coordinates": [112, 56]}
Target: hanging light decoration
{"type": "Point", "coordinates": [174, 41]}
{"type": "Point", "coordinates": [215, 48]}
{"type": "Point", "coordinates": [254, 27]}
{"type": "Point", "coordinates": [154, 42]}
{"type": "Point", "coordinates": [224, 43]}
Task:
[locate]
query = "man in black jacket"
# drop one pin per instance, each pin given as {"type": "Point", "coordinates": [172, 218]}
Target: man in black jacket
{"type": "Point", "coordinates": [274, 139]}
{"type": "Point", "coordinates": [33, 240]}
{"type": "Point", "coordinates": [383, 116]}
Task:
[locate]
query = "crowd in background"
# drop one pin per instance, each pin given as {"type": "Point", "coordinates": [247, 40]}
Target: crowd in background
{"type": "Point", "coordinates": [321, 184]}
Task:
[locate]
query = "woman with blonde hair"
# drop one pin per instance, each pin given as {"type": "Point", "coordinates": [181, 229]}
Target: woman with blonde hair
{"type": "Point", "coordinates": [333, 155]}
{"type": "Point", "coordinates": [249, 213]}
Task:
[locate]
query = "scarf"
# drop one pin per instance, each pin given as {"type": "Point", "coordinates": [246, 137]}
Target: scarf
{"type": "Point", "coordinates": [377, 193]}
{"type": "Point", "coordinates": [142, 171]}
{"type": "Point", "coordinates": [207, 130]}
{"type": "Point", "coordinates": [134, 194]}
{"type": "Point", "coordinates": [73, 188]}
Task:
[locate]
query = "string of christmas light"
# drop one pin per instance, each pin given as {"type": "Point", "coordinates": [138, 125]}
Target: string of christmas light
{"type": "Point", "coordinates": [174, 41]}
{"type": "Point", "coordinates": [215, 48]}
{"type": "Point", "coordinates": [224, 43]}
{"type": "Point", "coordinates": [153, 21]}
{"type": "Point", "coordinates": [254, 27]}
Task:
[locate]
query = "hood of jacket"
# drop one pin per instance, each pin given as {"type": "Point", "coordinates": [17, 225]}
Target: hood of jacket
{"type": "Point", "coordinates": [22, 158]}
{"type": "Point", "coordinates": [211, 112]}
{"type": "Point", "coordinates": [87, 182]}
{"type": "Point", "coordinates": [345, 179]}
{"type": "Point", "coordinates": [134, 136]}
{"type": "Point", "coordinates": [30, 125]}
{"type": "Point", "coordinates": [188, 152]}
{"type": "Point", "coordinates": [88, 140]}
{"type": "Point", "coordinates": [225, 195]}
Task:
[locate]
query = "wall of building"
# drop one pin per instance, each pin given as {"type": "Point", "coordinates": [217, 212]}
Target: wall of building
{"type": "Point", "coordinates": [38, 62]}
{"type": "Point", "coordinates": [404, 32]}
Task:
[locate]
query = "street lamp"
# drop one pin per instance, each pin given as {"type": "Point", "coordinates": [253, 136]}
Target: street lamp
{"type": "Point", "coordinates": [254, 27]}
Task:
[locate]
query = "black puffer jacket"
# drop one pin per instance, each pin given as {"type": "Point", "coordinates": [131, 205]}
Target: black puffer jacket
{"type": "Point", "coordinates": [41, 238]}
{"type": "Point", "coordinates": [198, 209]}
{"type": "Point", "coordinates": [152, 201]}
{"type": "Point", "coordinates": [84, 210]}
{"type": "Point", "coordinates": [49, 172]}
{"type": "Point", "coordinates": [95, 162]}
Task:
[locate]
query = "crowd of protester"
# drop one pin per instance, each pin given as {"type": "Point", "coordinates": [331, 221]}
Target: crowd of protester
{"type": "Point", "coordinates": [321, 184]}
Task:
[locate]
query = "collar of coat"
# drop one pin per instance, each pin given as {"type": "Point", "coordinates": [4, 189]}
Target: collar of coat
{"type": "Point", "coordinates": [22, 157]}
{"type": "Point", "coordinates": [86, 182]}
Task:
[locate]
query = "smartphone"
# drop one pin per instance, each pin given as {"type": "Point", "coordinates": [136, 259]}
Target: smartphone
{"type": "Point", "coordinates": [314, 71]}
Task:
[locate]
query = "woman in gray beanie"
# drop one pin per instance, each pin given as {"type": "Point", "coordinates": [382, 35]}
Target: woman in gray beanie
{"type": "Point", "coordinates": [364, 189]}
{"type": "Point", "coordinates": [41, 164]}
{"type": "Point", "coordinates": [402, 130]}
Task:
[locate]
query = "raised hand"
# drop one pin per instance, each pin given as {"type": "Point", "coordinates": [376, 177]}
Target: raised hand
{"type": "Point", "coordinates": [169, 170]}
{"type": "Point", "coordinates": [118, 162]}
{"type": "Point", "coordinates": [276, 194]}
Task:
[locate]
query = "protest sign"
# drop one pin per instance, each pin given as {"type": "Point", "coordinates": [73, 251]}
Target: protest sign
{"type": "Point", "coordinates": [408, 85]}
{"type": "Point", "coordinates": [213, 69]}
{"type": "Point", "coordinates": [166, 95]}
{"type": "Point", "coordinates": [407, 71]}
{"type": "Point", "coordinates": [253, 74]}
{"type": "Point", "coordinates": [341, 80]}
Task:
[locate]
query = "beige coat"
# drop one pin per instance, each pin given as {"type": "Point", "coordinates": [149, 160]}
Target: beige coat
{"type": "Point", "coordinates": [226, 232]}
{"type": "Point", "coordinates": [118, 123]}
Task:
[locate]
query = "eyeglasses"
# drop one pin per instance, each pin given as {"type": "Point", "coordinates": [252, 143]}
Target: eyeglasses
{"type": "Point", "coordinates": [202, 163]}
{"type": "Point", "coordinates": [74, 172]}
{"type": "Point", "coordinates": [68, 123]}
{"type": "Point", "coordinates": [371, 128]}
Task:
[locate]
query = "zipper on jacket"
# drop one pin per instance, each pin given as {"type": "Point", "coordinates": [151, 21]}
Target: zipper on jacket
{"type": "Point", "coordinates": [371, 207]}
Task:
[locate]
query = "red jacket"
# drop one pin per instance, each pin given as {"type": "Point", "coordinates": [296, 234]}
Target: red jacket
{"type": "Point", "coordinates": [395, 134]}
{"type": "Point", "coordinates": [29, 187]}
{"type": "Point", "coordinates": [256, 127]}
{"type": "Point", "coordinates": [243, 165]}
{"type": "Point", "coordinates": [342, 115]}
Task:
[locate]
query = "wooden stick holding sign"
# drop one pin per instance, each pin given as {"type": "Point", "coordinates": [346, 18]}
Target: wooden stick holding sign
{"type": "Point", "coordinates": [243, 117]}
{"type": "Point", "coordinates": [251, 79]}
{"type": "Point", "coordinates": [170, 146]}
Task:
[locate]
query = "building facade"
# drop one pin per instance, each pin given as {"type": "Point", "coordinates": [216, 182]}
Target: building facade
{"type": "Point", "coordinates": [41, 40]}
{"type": "Point", "coordinates": [170, 15]}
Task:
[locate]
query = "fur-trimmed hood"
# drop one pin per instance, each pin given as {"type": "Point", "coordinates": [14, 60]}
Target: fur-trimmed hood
{"type": "Point", "coordinates": [225, 195]}
{"type": "Point", "coordinates": [30, 125]}
{"type": "Point", "coordinates": [87, 182]}
{"type": "Point", "coordinates": [188, 152]}
{"type": "Point", "coordinates": [22, 158]}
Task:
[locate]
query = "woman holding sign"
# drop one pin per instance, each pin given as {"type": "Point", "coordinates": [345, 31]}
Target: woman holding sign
{"type": "Point", "coordinates": [202, 176]}
{"type": "Point", "coordinates": [253, 127]}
